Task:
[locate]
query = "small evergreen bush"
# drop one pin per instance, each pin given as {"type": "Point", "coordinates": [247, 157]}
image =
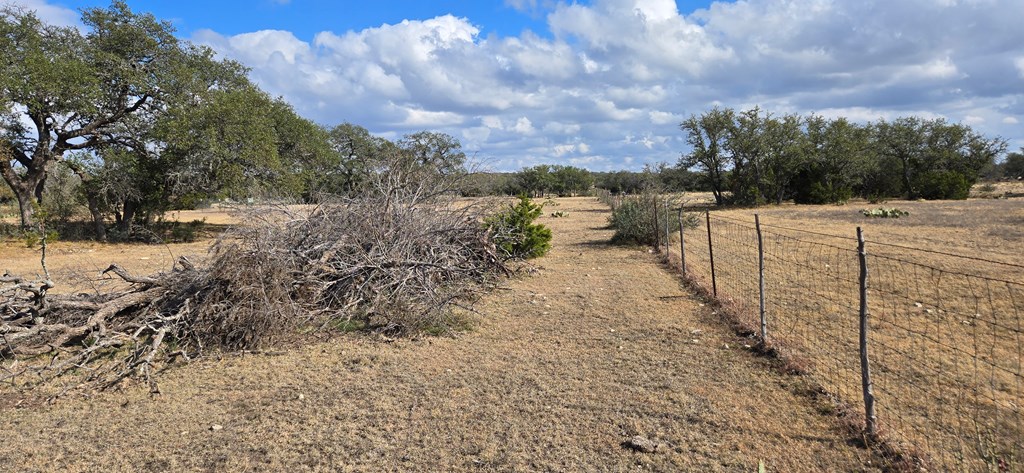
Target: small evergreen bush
{"type": "Point", "coordinates": [514, 232]}
{"type": "Point", "coordinates": [818, 193]}
{"type": "Point", "coordinates": [936, 185]}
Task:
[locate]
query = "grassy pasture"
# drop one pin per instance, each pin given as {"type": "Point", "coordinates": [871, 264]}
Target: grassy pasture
{"type": "Point", "coordinates": [597, 345]}
{"type": "Point", "coordinates": [946, 331]}
{"type": "Point", "coordinates": [945, 325]}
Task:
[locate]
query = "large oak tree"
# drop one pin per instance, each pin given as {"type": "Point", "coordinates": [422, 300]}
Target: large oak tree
{"type": "Point", "coordinates": [107, 86]}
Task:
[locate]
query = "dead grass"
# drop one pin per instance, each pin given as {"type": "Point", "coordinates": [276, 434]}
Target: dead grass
{"type": "Point", "coordinates": [945, 332]}
{"type": "Point", "coordinates": [561, 367]}
{"type": "Point", "coordinates": [998, 190]}
{"type": "Point", "coordinates": [76, 265]}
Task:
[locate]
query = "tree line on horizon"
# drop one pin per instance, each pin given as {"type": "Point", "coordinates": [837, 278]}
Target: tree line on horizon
{"type": "Point", "coordinates": [751, 157]}
{"type": "Point", "coordinates": [125, 122]}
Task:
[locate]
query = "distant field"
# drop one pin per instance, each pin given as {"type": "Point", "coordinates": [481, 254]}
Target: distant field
{"type": "Point", "coordinates": [989, 228]}
{"type": "Point", "coordinates": [76, 265]}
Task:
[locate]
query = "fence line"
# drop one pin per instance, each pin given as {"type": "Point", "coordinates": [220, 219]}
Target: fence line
{"type": "Point", "coordinates": [930, 347]}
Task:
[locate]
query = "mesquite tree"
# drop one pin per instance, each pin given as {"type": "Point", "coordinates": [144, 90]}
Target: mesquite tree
{"type": "Point", "coordinates": [708, 134]}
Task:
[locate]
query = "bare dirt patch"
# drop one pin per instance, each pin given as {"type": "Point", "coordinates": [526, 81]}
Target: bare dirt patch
{"type": "Point", "coordinates": [562, 367]}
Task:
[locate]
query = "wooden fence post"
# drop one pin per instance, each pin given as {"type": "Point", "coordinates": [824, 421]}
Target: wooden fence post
{"type": "Point", "coordinates": [682, 243]}
{"type": "Point", "coordinates": [711, 255]}
{"type": "Point", "coordinates": [865, 368]}
{"type": "Point", "coordinates": [760, 278]}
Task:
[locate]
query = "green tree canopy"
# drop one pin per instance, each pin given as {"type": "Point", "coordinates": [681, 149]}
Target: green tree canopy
{"type": "Point", "coordinates": [1013, 167]}
{"type": "Point", "coordinates": [62, 90]}
{"type": "Point", "coordinates": [751, 157]}
{"type": "Point", "coordinates": [708, 135]}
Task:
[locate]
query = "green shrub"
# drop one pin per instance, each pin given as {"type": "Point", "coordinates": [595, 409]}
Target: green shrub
{"type": "Point", "coordinates": [163, 231]}
{"type": "Point", "coordinates": [634, 222]}
{"type": "Point", "coordinates": [935, 185]}
{"type": "Point", "coordinates": [63, 198]}
{"type": "Point", "coordinates": [350, 325]}
{"type": "Point", "coordinates": [6, 194]}
{"type": "Point", "coordinates": [34, 238]}
{"type": "Point", "coordinates": [514, 232]}
{"type": "Point", "coordinates": [187, 232]}
{"type": "Point", "coordinates": [817, 193]}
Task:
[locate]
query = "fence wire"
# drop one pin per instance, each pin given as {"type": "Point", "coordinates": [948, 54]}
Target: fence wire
{"type": "Point", "coordinates": [945, 332]}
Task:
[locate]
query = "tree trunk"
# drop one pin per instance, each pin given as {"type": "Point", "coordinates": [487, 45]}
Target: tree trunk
{"type": "Point", "coordinates": [906, 178]}
{"type": "Point", "coordinates": [39, 189]}
{"type": "Point", "coordinates": [716, 190]}
{"type": "Point", "coordinates": [24, 189]}
{"type": "Point", "coordinates": [99, 226]}
{"type": "Point", "coordinates": [125, 225]}
{"type": "Point", "coordinates": [24, 207]}
{"type": "Point", "coordinates": [25, 186]}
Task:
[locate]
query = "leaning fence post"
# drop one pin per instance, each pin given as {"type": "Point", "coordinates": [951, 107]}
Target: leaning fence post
{"type": "Point", "coordinates": [865, 369]}
{"type": "Point", "coordinates": [711, 256]}
{"type": "Point", "coordinates": [760, 278]}
{"type": "Point", "coordinates": [682, 243]}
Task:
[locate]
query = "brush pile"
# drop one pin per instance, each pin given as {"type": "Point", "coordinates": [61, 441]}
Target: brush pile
{"type": "Point", "coordinates": [394, 262]}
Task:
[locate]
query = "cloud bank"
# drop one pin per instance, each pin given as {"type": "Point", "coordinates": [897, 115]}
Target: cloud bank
{"type": "Point", "coordinates": [607, 85]}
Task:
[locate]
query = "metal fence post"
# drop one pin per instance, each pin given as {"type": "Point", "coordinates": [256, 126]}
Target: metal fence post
{"type": "Point", "coordinates": [682, 243]}
{"type": "Point", "coordinates": [760, 278]}
{"type": "Point", "coordinates": [657, 230]}
{"type": "Point", "coordinates": [711, 255]}
{"type": "Point", "coordinates": [865, 368]}
{"type": "Point", "coordinates": [667, 229]}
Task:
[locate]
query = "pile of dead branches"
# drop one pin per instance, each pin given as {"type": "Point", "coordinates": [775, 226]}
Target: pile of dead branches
{"type": "Point", "coordinates": [392, 261]}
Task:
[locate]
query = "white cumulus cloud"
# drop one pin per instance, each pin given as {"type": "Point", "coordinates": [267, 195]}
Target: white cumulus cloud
{"type": "Point", "coordinates": [609, 69]}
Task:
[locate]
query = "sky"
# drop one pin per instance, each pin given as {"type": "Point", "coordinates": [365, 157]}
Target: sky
{"type": "Point", "coordinates": [604, 84]}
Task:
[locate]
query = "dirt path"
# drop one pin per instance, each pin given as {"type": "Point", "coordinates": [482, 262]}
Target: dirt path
{"type": "Point", "coordinates": [600, 345]}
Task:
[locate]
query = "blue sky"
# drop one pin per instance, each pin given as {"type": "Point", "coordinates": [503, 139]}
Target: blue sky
{"type": "Point", "coordinates": [604, 83]}
{"type": "Point", "coordinates": [306, 18]}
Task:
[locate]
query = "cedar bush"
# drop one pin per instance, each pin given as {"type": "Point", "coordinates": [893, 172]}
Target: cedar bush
{"type": "Point", "coordinates": [514, 232]}
{"type": "Point", "coordinates": [941, 185]}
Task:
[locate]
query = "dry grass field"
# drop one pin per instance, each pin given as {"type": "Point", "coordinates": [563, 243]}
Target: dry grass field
{"type": "Point", "coordinates": [945, 332]}
{"type": "Point", "coordinates": [560, 367]}
{"type": "Point", "coordinates": [76, 265]}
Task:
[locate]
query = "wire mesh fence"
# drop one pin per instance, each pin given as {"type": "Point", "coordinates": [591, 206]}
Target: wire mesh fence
{"type": "Point", "coordinates": [942, 340]}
